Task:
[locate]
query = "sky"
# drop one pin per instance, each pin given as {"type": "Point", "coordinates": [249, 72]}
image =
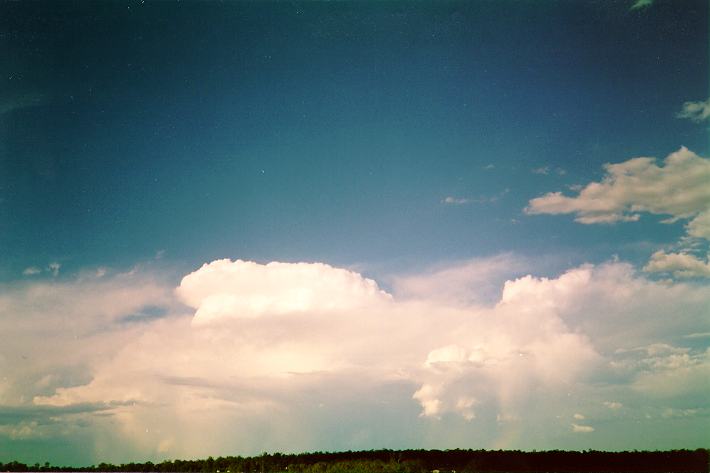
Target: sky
{"type": "Point", "coordinates": [233, 227]}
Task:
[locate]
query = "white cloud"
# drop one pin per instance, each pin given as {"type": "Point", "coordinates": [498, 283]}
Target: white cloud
{"type": "Point", "coordinates": [680, 265]}
{"type": "Point", "coordinates": [678, 189]}
{"type": "Point", "coordinates": [450, 200]}
{"type": "Point", "coordinates": [284, 361]}
{"type": "Point", "coordinates": [578, 416]}
{"type": "Point", "coordinates": [666, 371]}
{"type": "Point", "coordinates": [546, 170]}
{"type": "Point", "coordinates": [699, 227]}
{"type": "Point", "coordinates": [697, 335]}
{"type": "Point", "coordinates": [582, 428]}
{"type": "Point", "coordinates": [695, 111]}
{"type": "Point", "coordinates": [31, 271]}
{"type": "Point", "coordinates": [613, 404]}
{"type": "Point", "coordinates": [226, 289]}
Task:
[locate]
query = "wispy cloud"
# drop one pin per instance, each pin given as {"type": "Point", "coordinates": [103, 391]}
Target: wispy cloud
{"type": "Point", "coordinates": [54, 268]}
{"type": "Point", "coordinates": [546, 170]}
{"type": "Point", "coordinates": [21, 101]}
{"type": "Point", "coordinates": [697, 335]}
{"type": "Point", "coordinates": [640, 4]}
{"type": "Point", "coordinates": [582, 428]}
{"type": "Point", "coordinates": [450, 200]}
{"type": "Point", "coordinates": [31, 271]}
{"type": "Point", "coordinates": [695, 111]}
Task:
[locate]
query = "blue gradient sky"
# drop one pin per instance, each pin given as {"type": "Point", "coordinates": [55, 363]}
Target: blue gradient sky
{"type": "Point", "coordinates": [329, 131]}
{"type": "Point", "coordinates": [400, 140]}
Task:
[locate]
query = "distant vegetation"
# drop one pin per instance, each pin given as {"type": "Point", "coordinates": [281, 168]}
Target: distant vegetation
{"type": "Point", "coordinates": [417, 461]}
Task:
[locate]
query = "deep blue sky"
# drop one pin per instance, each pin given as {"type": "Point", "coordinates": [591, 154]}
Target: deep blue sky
{"type": "Point", "coordinates": [328, 131]}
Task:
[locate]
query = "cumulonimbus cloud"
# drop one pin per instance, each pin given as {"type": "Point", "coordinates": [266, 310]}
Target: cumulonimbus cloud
{"type": "Point", "coordinates": [500, 367]}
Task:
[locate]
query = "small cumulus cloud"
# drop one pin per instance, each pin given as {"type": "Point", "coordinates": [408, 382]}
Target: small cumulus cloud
{"type": "Point", "coordinates": [54, 268]}
{"type": "Point", "coordinates": [450, 200]}
{"type": "Point", "coordinates": [582, 428]}
{"type": "Point", "coordinates": [31, 271]}
{"type": "Point", "coordinates": [613, 404]}
{"type": "Point", "coordinates": [695, 111]}
{"type": "Point", "coordinates": [680, 265]}
{"type": "Point", "coordinates": [578, 416]}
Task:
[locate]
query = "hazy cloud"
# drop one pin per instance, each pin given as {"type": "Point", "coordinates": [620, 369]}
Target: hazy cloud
{"type": "Point", "coordinates": [478, 200]}
{"type": "Point", "coordinates": [31, 271]}
{"type": "Point", "coordinates": [54, 268]}
{"type": "Point", "coordinates": [450, 200]}
{"type": "Point", "coordinates": [20, 101]}
{"type": "Point", "coordinates": [477, 280]}
{"type": "Point", "coordinates": [695, 111]}
{"type": "Point", "coordinates": [582, 428]}
{"type": "Point", "coordinates": [640, 4]}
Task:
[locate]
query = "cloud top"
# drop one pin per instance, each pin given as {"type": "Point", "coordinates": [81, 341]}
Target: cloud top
{"type": "Point", "coordinates": [226, 289]}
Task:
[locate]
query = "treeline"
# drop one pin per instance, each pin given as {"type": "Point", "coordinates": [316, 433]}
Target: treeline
{"type": "Point", "coordinates": [416, 461]}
